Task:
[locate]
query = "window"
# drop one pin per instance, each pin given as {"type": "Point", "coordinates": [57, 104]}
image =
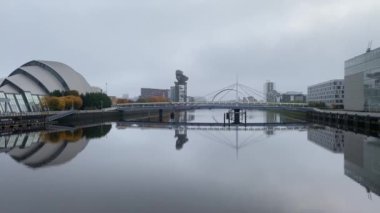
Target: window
{"type": "Point", "coordinates": [37, 102]}
{"type": "Point", "coordinates": [12, 102]}
{"type": "Point", "coordinates": [21, 103]}
{"type": "Point", "coordinates": [30, 101]}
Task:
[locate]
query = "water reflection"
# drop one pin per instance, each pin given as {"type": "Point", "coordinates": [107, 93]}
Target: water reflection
{"type": "Point", "coordinates": [361, 154]}
{"type": "Point", "coordinates": [329, 138]}
{"type": "Point", "coordinates": [362, 160]}
{"type": "Point", "coordinates": [50, 147]}
{"type": "Point", "coordinates": [181, 122]}
{"type": "Point", "coordinates": [181, 131]}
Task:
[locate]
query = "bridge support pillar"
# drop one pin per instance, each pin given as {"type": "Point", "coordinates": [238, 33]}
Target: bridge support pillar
{"type": "Point", "coordinates": [236, 116]}
{"type": "Point", "coordinates": [160, 115]}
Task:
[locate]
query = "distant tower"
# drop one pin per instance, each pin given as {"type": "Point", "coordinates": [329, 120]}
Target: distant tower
{"type": "Point", "coordinates": [180, 87]}
{"type": "Point", "coordinates": [269, 91]}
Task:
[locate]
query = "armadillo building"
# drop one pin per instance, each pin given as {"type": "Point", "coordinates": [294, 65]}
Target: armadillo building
{"type": "Point", "coordinates": [23, 89]}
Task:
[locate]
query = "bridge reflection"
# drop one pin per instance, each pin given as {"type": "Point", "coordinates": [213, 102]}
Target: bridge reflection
{"type": "Point", "coordinates": [183, 121]}
{"type": "Point", "coordinates": [50, 147]}
{"type": "Point", "coordinates": [361, 154]}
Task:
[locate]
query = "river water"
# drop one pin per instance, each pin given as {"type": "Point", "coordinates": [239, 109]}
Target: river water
{"type": "Point", "coordinates": [125, 167]}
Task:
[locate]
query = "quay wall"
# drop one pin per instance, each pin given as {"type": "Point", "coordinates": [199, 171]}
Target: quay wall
{"type": "Point", "coordinates": [368, 123]}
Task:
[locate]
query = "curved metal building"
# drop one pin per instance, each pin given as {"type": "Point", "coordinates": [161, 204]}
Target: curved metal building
{"type": "Point", "coordinates": [22, 89]}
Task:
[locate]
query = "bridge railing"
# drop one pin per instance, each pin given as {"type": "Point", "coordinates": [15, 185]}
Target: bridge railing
{"type": "Point", "coordinates": [208, 103]}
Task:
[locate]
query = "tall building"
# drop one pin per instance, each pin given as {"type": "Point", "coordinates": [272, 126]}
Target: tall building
{"type": "Point", "coordinates": [362, 82]}
{"type": "Point", "coordinates": [180, 87]}
{"type": "Point", "coordinates": [331, 93]}
{"type": "Point", "coordinates": [172, 93]}
{"type": "Point", "coordinates": [269, 92]}
{"type": "Point", "coordinates": [150, 92]}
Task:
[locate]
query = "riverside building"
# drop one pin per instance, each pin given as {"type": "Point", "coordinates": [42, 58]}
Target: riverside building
{"type": "Point", "coordinates": [23, 89]}
{"type": "Point", "coordinates": [331, 93]}
{"type": "Point", "coordinates": [362, 82]}
{"type": "Point", "coordinates": [150, 92]}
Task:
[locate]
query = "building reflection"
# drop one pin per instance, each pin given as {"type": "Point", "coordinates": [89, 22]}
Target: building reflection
{"type": "Point", "coordinates": [271, 117]}
{"type": "Point", "coordinates": [329, 138]}
{"type": "Point", "coordinates": [181, 130]}
{"type": "Point", "coordinates": [361, 154]}
{"type": "Point", "coordinates": [176, 120]}
{"type": "Point", "coordinates": [51, 147]}
{"type": "Point", "coordinates": [362, 160]}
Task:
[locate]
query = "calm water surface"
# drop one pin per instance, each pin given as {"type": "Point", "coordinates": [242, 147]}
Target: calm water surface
{"type": "Point", "coordinates": [120, 167]}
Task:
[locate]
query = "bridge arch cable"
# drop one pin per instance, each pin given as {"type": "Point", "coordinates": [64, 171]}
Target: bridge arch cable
{"type": "Point", "coordinates": [247, 93]}
{"type": "Point", "coordinates": [232, 89]}
{"type": "Point", "coordinates": [250, 90]}
{"type": "Point", "coordinates": [211, 94]}
{"type": "Point", "coordinates": [258, 93]}
{"type": "Point", "coordinates": [222, 139]}
{"type": "Point", "coordinates": [228, 92]}
{"type": "Point", "coordinates": [249, 140]}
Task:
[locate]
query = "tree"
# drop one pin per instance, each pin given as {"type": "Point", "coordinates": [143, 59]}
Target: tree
{"type": "Point", "coordinates": [56, 93]}
{"type": "Point", "coordinates": [73, 101]}
{"type": "Point", "coordinates": [95, 101]}
{"type": "Point", "coordinates": [71, 92]}
{"type": "Point", "coordinates": [55, 103]}
{"type": "Point", "coordinates": [123, 101]}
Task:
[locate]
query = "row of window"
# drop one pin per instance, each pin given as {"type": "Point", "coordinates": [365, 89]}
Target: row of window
{"type": "Point", "coordinates": [363, 58]}
{"type": "Point", "coordinates": [20, 103]}
{"type": "Point", "coordinates": [21, 140]}
{"type": "Point", "coordinates": [329, 88]}
{"type": "Point", "coordinates": [333, 84]}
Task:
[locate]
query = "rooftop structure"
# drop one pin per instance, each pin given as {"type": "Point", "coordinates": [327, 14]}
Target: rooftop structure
{"type": "Point", "coordinates": [362, 82]}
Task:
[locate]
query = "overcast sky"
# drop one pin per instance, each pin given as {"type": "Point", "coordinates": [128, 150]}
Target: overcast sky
{"type": "Point", "coordinates": [134, 44]}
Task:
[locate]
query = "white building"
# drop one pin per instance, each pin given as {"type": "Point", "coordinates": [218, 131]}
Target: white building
{"type": "Point", "coordinates": [22, 90]}
{"type": "Point", "coordinates": [331, 93]}
{"type": "Point", "coordinates": [362, 82]}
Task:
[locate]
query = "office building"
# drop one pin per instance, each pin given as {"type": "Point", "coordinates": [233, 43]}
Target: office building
{"type": "Point", "coordinates": [293, 97]}
{"type": "Point", "coordinates": [150, 92]}
{"type": "Point", "coordinates": [331, 93]}
{"type": "Point", "coordinates": [362, 82]}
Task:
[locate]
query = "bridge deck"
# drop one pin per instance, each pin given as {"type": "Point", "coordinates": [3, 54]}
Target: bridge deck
{"type": "Point", "coordinates": [140, 123]}
{"type": "Point", "coordinates": [210, 105]}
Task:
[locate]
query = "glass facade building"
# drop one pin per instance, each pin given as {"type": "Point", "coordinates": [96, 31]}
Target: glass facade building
{"type": "Point", "coordinates": [362, 82]}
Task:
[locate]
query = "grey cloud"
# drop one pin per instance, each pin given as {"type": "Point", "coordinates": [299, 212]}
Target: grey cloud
{"type": "Point", "coordinates": [133, 44]}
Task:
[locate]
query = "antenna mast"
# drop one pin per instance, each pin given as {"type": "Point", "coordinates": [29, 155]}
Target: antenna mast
{"type": "Point", "coordinates": [369, 46]}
